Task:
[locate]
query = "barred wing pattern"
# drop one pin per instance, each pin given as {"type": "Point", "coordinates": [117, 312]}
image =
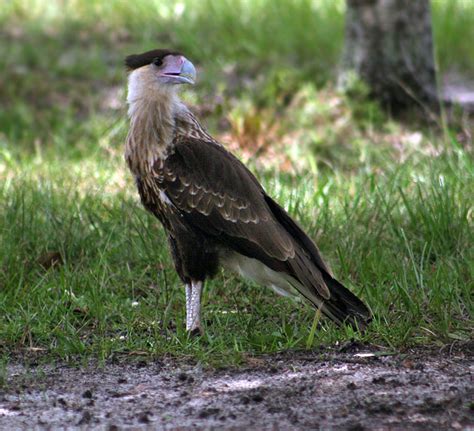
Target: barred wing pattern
{"type": "Point", "coordinates": [219, 196]}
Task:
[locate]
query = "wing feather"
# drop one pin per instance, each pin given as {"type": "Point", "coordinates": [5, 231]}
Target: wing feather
{"type": "Point", "coordinates": [218, 195]}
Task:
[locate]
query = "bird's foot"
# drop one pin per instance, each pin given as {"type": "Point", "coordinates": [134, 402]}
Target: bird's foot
{"type": "Point", "coordinates": [196, 332]}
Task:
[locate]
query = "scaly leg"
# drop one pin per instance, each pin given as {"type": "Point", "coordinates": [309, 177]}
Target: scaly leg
{"type": "Point", "coordinates": [193, 307]}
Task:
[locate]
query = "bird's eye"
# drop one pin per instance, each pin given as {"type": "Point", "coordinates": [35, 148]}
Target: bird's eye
{"type": "Point", "coordinates": [157, 61]}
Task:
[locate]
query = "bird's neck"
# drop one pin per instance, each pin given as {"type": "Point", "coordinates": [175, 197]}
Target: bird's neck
{"type": "Point", "coordinates": [152, 127]}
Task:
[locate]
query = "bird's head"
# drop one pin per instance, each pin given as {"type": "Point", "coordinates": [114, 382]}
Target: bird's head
{"type": "Point", "coordinates": [158, 72]}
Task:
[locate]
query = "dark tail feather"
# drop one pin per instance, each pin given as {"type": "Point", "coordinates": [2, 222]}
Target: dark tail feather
{"type": "Point", "coordinates": [344, 307]}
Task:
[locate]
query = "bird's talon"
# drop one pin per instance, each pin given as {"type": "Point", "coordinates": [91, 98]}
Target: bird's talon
{"type": "Point", "coordinates": [196, 332]}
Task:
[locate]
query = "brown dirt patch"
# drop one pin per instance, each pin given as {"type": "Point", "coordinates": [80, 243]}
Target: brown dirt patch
{"type": "Point", "coordinates": [350, 390]}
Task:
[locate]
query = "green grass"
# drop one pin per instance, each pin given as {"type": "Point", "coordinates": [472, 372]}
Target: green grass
{"type": "Point", "coordinates": [390, 205]}
{"type": "Point", "coordinates": [398, 235]}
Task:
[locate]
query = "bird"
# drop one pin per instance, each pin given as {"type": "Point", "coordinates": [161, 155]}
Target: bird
{"type": "Point", "coordinates": [213, 209]}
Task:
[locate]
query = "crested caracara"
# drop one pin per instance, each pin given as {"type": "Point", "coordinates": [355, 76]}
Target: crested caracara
{"type": "Point", "coordinates": [212, 207]}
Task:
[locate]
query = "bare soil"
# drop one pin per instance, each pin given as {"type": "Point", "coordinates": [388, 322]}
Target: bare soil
{"type": "Point", "coordinates": [350, 388]}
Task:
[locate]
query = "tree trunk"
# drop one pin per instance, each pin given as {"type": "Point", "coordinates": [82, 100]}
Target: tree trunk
{"type": "Point", "coordinates": [389, 45]}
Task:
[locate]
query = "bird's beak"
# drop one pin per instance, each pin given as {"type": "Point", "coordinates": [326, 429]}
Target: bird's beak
{"type": "Point", "coordinates": [179, 70]}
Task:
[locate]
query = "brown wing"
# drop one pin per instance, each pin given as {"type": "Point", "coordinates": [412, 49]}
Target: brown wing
{"type": "Point", "coordinates": [219, 196]}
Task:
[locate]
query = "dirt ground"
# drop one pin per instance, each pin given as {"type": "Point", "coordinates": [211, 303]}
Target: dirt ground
{"type": "Point", "coordinates": [349, 388]}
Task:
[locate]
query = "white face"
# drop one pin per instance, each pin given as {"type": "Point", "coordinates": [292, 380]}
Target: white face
{"type": "Point", "coordinates": [160, 77]}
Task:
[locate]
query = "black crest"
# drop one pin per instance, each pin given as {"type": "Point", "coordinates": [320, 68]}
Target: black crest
{"type": "Point", "coordinates": [135, 61]}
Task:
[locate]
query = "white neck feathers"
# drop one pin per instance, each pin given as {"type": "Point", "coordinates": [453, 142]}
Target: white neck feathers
{"type": "Point", "coordinates": [152, 109]}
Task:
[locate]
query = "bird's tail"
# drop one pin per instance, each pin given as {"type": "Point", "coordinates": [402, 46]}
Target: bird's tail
{"type": "Point", "coordinates": [313, 279]}
{"type": "Point", "coordinates": [343, 306]}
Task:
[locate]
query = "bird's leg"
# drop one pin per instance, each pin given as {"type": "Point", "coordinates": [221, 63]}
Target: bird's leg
{"type": "Point", "coordinates": [193, 307]}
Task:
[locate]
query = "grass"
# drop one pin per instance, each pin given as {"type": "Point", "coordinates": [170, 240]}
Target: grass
{"type": "Point", "coordinates": [85, 271]}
